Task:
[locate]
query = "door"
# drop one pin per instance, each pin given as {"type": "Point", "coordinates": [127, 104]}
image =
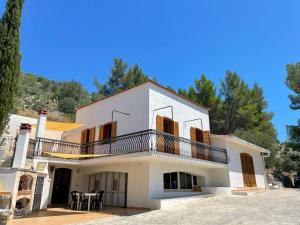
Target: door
{"type": "Point", "coordinates": [61, 186]}
{"type": "Point", "coordinates": [248, 170]}
{"type": "Point", "coordinates": [114, 185]}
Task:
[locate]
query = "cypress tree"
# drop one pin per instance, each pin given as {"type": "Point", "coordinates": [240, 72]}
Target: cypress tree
{"type": "Point", "coordinates": [10, 58]}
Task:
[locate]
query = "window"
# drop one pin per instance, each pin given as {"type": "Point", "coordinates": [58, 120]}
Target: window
{"type": "Point", "coordinates": [179, 181]}
{"type": "Point", "coordinates": [168, 125]}
{"type": "Point", "coordinates": [107, 130]}
{"type": "Point", "coordinates": [185, 180]}
{"type": "Point", "coordinates": [199, 135]}
{"type": "Point", "coordinates": [170, 180]}
{"type": "Point", "coordinates": [195, 180]}
{"type": "Point", "coordinates": [115, 185]}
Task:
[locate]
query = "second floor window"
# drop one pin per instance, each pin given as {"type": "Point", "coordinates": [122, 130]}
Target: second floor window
{"type": "Point", "coordinates": [107, 131]}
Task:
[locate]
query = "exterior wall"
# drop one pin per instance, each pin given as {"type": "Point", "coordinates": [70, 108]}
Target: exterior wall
{"type": "Point", "coordinates": [140, 103]}
{"type": "Point", "coordinates": [133, 101]}
{"type": "Point", "coordinates": [208, 178]}
{"type": "Point", "coordinates": [137, 195]}
{"type": "Point", "coordinates": [183, 110]}
{"type": "Point", "coordinates": [74, 183]}
{"type": "Point", "coordinates": [234, 162]}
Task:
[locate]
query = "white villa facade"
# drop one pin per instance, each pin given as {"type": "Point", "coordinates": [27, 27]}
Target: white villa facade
{"type": "Point", "coordinates": [143, 147]}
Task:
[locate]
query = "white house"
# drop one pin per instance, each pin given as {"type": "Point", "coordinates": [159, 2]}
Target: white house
{"type": "Point", "coordinates": [142, 147]}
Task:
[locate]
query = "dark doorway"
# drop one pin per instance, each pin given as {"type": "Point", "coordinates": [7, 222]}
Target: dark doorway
{"type": "Point", "coordinates": [61, 186]}
{"type": "Point", "coordinates": [169, 143]}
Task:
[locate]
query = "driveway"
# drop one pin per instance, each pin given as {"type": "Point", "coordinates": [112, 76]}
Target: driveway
{"type": "Point", "coordinates": [270, 207]}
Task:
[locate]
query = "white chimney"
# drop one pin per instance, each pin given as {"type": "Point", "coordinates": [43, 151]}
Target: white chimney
{"type": "Point", "coordinates": [22, 146]}
{"type": "Point", "coordinates": [41, 125]}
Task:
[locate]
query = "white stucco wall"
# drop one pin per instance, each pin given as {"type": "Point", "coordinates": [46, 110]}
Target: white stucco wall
{"type": "Point", "coordinates": [183, 110]}
{"type": "Point", "coordinates": [211, 177]}
{"type": "Point", "coordinates": [137, 195]}
{"type": "Point", "coordinates": [140, 103]}
{"type": "Point", "coordinates": [234, 162]}
{"type": "Point", "coordinates": [134, 101]}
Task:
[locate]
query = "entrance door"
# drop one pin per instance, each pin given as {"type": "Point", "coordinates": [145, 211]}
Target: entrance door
{"type": "Point", "coordinates": [248, 170]}
{"type": "Point", "coordinates": [61, 186]}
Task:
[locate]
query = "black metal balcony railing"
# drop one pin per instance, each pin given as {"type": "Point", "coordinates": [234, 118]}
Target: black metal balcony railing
{"type": "Point", "coordinates": [148, 140]}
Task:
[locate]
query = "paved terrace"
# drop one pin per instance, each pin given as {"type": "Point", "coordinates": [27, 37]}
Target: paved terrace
{"type": "Point", "coordinates": [271, 207]}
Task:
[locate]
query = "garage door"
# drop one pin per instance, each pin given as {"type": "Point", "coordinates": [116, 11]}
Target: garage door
{"type": "Point", "coordinates": [114, 185]}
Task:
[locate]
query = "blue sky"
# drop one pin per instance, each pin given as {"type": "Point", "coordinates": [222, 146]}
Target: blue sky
{"type": "Point", "coordinates": [175, 41]}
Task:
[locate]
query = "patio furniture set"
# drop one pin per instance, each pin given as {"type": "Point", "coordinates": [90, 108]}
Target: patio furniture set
{"type": "Point", "coordinates": [87, 201]}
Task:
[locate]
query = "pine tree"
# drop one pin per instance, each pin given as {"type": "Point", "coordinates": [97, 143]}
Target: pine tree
{"type": "Point", "coordinates": [10, 58]}
{"type": "Point", "coordinates": [118, 73]}
{"type": "Point", "coordinates": [293, 82]}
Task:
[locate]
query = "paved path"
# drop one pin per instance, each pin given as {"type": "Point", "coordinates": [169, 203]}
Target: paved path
{"type": "Point", "coordinates": [271, 207]}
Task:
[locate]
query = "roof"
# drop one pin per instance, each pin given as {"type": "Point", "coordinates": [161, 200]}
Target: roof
{"type": "Point", "coordinates": [241, 141]}
{"type": "Point", "coordinates": [138, 85]}
{"type": "Point", "coordinates": [60, 126]}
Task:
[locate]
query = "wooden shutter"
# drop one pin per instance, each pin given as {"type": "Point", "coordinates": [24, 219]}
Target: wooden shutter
{"type": "Point", "coordinates": [159, 123]}
{"type": "Point", "coordinates": [160, 141]}
{"type": "Point", "coordinates": [206, 137]}
{"type": "Point", "coordinates": [91, 139]}
{"type": "Point", "coordinates": [83, 140]}
{"type": "Point", "coordinates": [114, 129]}
{"type": "Point", "coordinates": [92, 134]}
{"type": "Point", "coordinates": [101, 133]}
{"type": "Point", "coordinates": [176, 133]}
{"type": "Point", "coordinates": [193, 138]}
{"type": "Point", "coordinates": [83, 137]}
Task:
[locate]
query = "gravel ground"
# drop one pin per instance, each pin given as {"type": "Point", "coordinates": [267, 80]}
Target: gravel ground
{"type": "Point", "coordinates": [270, 207]}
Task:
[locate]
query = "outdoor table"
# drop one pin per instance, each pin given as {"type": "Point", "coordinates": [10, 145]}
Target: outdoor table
{"type": "Point", "coordinates": [89, 195]}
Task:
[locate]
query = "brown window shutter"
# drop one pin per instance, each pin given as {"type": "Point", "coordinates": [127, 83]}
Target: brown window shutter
{"type": "Point", "coordinates": [101, 133]}
{"type": "Point", "coordinates": [91, 139]}
{"type": "Point", "coordinates": [92, 134]}
{"type": "Point", "coordinates": [114, 129]}
{"type": "Point", "coordinates": [206, 137]}
{"type": "Point", "coordinates": [176, 133]}
{"type": "Point", "coordinates": [193, 138]}
{"type": "Point", "coordinates": [83, 136]}
{"type": "Point", "coordinates": [160, 140]}
{"type": "Point", "coordinates": [159, 123]}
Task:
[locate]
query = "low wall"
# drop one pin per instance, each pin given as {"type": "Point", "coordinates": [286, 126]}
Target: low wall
{"type": "Point", "coordinates": [217, 190]}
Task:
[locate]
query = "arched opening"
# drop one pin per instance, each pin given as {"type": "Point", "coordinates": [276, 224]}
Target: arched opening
{"type": "Point", "coordinates": [25, 184]}
{"type": "Point", "coordinates": [248, 170]}
{"type": "Point", "coordinates": [61, 186]}
{"type": "Point", "coordinates": [22, 207]}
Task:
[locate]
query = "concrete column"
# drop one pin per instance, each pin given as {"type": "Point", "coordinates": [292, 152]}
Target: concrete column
{"type": "Point", "coordinates": [22, 146]}
{"type": "Point", "coordinates": [41, 125]}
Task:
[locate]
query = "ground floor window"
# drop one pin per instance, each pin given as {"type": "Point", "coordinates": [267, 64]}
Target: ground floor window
{"type": "Point", "coordinates": [170, 180]}
{"type": "Point", "coordinates": [179, 181]}
{"type": "Point", "coordinates": [185, 180]}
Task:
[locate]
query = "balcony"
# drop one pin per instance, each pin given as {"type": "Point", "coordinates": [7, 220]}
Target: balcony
{"type": "Point", "coordinates": [143, 141]}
